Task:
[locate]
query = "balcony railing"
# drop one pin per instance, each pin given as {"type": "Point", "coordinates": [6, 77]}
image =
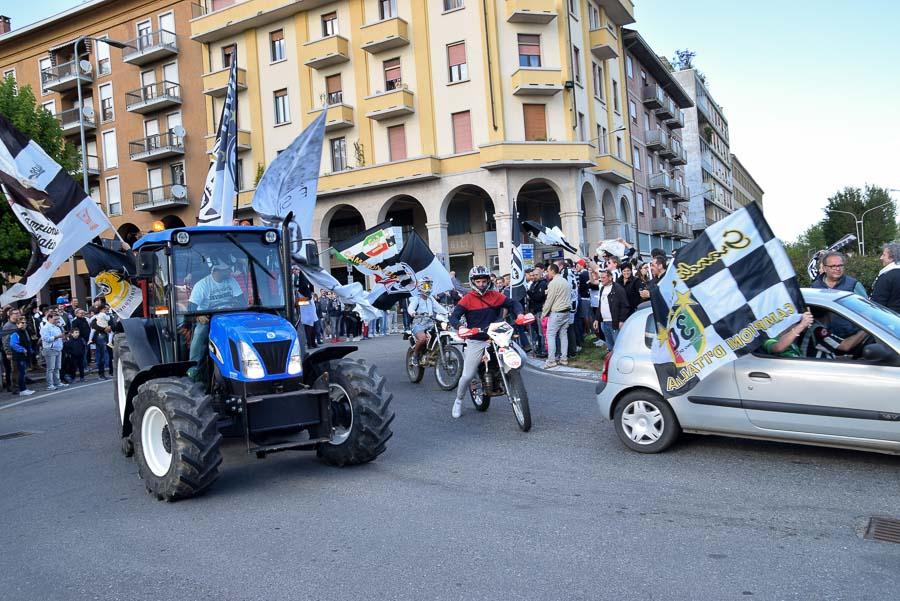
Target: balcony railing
{"type": "Point", "coordinates": [155, 147]}
{"type": "Point", "coordinates": [153, 97]}
{"type": "Point", "coordinates": [660, 182]}
{"type": "Point", "coordinates": [656, 139]}
{"type": "Point", "coordinates": [653, 96]}
{"type": "Point", "coordinates": [69, 121]}
{"type": "Point", "coordinates": [667, 110]}
{"type": "Point", "coordinates": [160, 197]}
{"type": "Point", "coordinates": [65, 76]}
{"type": "Point", "coordinates": [677, 121]}
{"type": "Point", "coordinates": [151, 46]}
{"type": "Point", "coordinates": [93, 165]}
{"type": "Point", "coordinates": [662, 225]}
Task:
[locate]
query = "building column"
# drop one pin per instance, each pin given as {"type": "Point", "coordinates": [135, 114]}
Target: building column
{"type": "Point", "coordinates": [504, 238]}
{"type": "Point", "coordinates": [324, 257]}
{"type": "Point", "coordinates": [571, 227]}
{"type": "Point", "coordinates": [594, 231]}
{"type": "Point", "coordinates": [438, 242]}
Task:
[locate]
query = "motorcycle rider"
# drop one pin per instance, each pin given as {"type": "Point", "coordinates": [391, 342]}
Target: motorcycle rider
{"type": "Point", "coordinates": [481, 307]}
{"type": "Point", "coordinates": [423, 309]}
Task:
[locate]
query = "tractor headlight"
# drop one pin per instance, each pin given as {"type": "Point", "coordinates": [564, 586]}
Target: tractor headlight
{"type": "Point", "coordinates": [251, 366]}
{"type": "Point", "coordinates": [295, 363]}
{"type": "Point", "coordinates": [270, 236]}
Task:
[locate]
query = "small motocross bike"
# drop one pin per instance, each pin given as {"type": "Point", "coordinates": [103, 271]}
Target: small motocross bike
{"type": "Point", "coordinates": [500, 371]}
{"type": "Point", "coordinates": [440, 353]}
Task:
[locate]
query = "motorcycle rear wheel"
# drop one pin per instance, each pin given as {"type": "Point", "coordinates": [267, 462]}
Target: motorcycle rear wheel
{"type": "Point", "coordinates": [415, 372]}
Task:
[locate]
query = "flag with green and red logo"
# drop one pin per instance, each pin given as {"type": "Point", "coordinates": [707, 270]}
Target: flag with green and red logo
{"type": "Point", "coordinates": [370, 250]}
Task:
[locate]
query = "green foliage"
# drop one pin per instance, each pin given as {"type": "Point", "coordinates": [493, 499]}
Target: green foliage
{"type": "Point", "coordinates": [880, 224]}
{"type": "Point", "coordinates": [865, 269]}
{"type": "Point", "coordinates": [22, 109]}
{"type": "Point", "coordinates": [684, 59]}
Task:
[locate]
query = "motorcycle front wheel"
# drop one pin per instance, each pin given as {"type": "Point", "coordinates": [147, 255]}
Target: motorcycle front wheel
{"type": "Point", "coordinates": [415, 372]}
{"type": "Point", "coordinates": [518, 397]}
{"type": "Point", "coordinates": [449, 367]}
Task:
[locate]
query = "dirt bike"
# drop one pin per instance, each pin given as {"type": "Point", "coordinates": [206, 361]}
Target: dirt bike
{"type": "Point", "coordinates": [500, 371]}
{"type": "Point", "coordinates": [440, 353]}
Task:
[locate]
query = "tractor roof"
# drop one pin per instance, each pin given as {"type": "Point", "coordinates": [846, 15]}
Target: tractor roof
{"type": "Point", "coordinates": [166, 235]}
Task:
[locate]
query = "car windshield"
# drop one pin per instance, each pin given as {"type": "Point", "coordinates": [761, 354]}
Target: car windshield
{"type": "Point", "coordinates": [226, 272]}
{"type": "Point", "coordinates": [884, 318]}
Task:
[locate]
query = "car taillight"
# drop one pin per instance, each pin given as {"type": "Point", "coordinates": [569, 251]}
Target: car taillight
{"type": "Point", "coordinates": [605, 375]}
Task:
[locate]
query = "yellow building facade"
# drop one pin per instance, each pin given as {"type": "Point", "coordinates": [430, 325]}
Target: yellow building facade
{"type": "Point", "coordinates": [444, 115]}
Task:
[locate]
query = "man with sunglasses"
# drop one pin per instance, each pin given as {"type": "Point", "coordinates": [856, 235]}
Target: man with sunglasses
{"type": "Point", "coordinates": [423, 309]}
{"type": "Point", "coordinates": [833, 276]}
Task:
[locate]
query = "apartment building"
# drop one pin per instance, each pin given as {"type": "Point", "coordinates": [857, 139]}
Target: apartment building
{"type": "Point", "coordinates": [656, 118]}
{"type": "Point", "coordinates": [708, 172]}
{"type": "Point", "coordinates": [142, 109]}
{"type": "Point", "coordinates": [443, 115]}
{"type": "Point", "coordinates": [745, 188]}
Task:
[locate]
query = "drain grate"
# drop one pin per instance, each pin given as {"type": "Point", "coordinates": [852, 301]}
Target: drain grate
{"type": "Point", "coordinates": [12, 435]}
{"type": "Point", "coordinates": [883, 529]}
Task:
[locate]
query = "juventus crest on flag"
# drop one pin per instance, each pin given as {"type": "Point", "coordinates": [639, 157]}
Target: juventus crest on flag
{"type": "Point", "coordinates": [725, 294]}
{"type": "Point", "coordinates": [217, 204]}
{"type": "Point", "coordinates": [49, 204]}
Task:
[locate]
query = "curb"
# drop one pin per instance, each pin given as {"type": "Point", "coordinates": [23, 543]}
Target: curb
{"type": "Point", "coordinates": [571, 372]}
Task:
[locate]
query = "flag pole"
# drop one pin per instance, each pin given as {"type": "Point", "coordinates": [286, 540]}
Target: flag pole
{"type": "Point", "coordinates": [237, 200]}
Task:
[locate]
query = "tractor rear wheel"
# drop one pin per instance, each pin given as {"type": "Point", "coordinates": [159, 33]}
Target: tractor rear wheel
{"type": "Point", "coordinates": [176, 438]}
{"type": "Point", "coordinates": [126, 369]}
{"type": "Point", "coordinates": [360, 414]}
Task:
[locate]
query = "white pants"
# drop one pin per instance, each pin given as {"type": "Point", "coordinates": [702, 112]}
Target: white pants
{"type": "Point", "coordinates": [471, 358]}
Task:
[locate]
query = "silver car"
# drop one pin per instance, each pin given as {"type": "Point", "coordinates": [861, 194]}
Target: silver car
{"type": "Point", "coordinates": [823, 397]}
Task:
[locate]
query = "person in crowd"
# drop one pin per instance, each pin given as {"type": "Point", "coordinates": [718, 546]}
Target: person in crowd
{"type": "Point", "coordinates": [614, 308]}
{"type": "Point", "coordinates": [52, 337]}
{"type": "Point", "coordinates": [567, 271]}
{"type": "Point", "coordinates": [335, 318]}
{"type": "Point", "coordinates": [63, 314]}
{"type": "Point", "coordinates": [594, 289]}
{"type": "Point", "coordinates": [62, 299]}
{"type": "Point", "coordinates": [21, 350]}
{"type": "Point", "coordinates": [535, 295]}
{"type": "Point", "coordinates": [886, 289]}
{"type": "Point", "coordinates": [74, 353]}
{"type": "Point", "coordinates": [102, 332]}
{"type": "Point", "coordinates": [10, 324]}
{"type": "Point", "coordinates": [322, 309]}
{"type": "Point", "coordinates": [632, 287]}
{"type": "Point", "coordinates": [583, 308]}
{"type": "Point", "coordinates": [557, 307]}
{"type": "Point", "coordinates": [613, 267]}
{"type": "Point", "coordinates": [657, 271]}
{"type": "Point", "coordinates": [218, 290]}
{"type": "Point", "coordinates": [34, 319]}
{"type": "Point", "coordinates": [833, 276]}
{"type": "Point", "coordinates": [81, 325]}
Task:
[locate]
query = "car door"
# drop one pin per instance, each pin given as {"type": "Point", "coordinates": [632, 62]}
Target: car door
{"type": "Point", "coordinates": [820, 396]}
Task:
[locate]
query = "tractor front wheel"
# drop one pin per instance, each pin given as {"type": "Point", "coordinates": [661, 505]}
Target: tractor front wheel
{"type": "Point", "coordinates": [176, 438]}
{"type": "Point", "coordinates": [360, 414]}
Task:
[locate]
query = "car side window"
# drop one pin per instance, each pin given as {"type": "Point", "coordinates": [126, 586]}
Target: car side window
{"type": "Point", "coordinates": [649, 331]}
{"type": "Point", "coordinates": [831, 337]}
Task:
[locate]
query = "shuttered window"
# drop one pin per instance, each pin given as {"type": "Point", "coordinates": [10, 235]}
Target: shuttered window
{"type": "Point", "coordinates": [462, 132]}
{"type": "Point", "coordinates": [334, 89]}
{"type": "Point", "coordinates": [329, 25]}
{"type": "Point", "coordinates": [535, 122]}
{"type": "Point", "coordinates": [392, 74]}
{"type": "Point", "coordinates": [456, 59]}
{"type": "Point", "coordinates": [529, 50]}
{"type": "Point", "coordinates": [397, 142]}
{"type": "Point", "coordinates": [228, 54]}
{"type": "Point", "coordinates": [276, 45]}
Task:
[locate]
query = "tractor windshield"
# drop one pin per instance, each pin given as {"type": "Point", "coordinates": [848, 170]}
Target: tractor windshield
{"type": "Point", "coordinates": [230, 271]}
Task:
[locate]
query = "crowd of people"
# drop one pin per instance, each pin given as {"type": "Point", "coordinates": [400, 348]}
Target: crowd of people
{"type": "Point", "coordinates": [63, 341]}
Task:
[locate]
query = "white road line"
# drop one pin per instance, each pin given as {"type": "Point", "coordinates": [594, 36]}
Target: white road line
{"type": "Point", "coordinates": [51, 393]}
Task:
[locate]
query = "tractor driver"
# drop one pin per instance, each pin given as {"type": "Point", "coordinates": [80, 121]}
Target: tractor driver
{"type": "Point", "coordinates": [218, 290]}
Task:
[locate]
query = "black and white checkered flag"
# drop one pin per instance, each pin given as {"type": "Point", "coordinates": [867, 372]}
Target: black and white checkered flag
{"type": "Point", "coordinates": [49, 204]}
{"type": "Point", "coordinates": [722, 297]}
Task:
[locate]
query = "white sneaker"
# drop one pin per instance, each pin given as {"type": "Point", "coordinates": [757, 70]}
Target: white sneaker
{"type": "Point", "coordinates": [51, 388]}
{"type": "Point", "coordinates": [457, 408]}
{"type": "Point", "coordinates": [26, 392]}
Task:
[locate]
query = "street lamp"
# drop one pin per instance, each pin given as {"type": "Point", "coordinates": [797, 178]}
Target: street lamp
{"type": "Point", "coordinates": [860, 225]}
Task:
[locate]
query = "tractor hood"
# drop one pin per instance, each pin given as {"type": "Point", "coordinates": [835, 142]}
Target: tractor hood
{"type": "Point", "coordinates": [261, 338]}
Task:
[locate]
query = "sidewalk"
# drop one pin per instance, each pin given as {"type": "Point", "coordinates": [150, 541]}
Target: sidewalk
{"type": "Point", "coordinates": [572, 372]}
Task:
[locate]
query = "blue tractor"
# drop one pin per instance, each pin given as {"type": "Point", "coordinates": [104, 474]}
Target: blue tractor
{"type": "Point", "coordinates": [216, 354]}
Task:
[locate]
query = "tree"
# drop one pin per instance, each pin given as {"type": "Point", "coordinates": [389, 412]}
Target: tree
{"type": "Point", "coordinates": [684, 59]}
{"type": "Point", "coordinates": [22, 109]}
{"type": "Point", "coordinates": [880, 224]}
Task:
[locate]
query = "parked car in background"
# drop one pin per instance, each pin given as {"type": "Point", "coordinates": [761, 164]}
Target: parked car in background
{"type": "Point", "coordinates": [821, 398]}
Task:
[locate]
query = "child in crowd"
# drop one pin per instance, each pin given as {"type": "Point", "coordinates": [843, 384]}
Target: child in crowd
{"type": "Point", "coordinates": [74, 350]}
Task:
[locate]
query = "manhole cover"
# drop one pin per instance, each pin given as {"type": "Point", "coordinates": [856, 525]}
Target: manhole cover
{"type": "Point", "coordinates": [12, 435]}
{"type": "Point", "coordinates": [883, 529]}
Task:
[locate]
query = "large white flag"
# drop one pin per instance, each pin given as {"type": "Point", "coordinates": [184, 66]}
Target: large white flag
{"type": "Point", "coordinates": [217, 205]}
{"type": "Point", "coordinates": [49, 204]}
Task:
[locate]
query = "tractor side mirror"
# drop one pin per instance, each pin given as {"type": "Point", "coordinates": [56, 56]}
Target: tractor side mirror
{"type": "Point", "coordinates": [312, 252]}
{"type": "Point", "coordinates": [146, 264]}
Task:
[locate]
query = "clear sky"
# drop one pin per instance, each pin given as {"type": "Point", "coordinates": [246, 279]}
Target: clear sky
{"type": "Point", "coordinates": [810, 88]}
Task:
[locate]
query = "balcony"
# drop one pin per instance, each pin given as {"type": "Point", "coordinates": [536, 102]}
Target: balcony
{"type": "Point", "coordinates": [667, 110]}
{"type": "Point", "coordinates": [501, 155]}
{"type": "Point", "coordinates": [70, 122]}
{"type": "Point", "coordinates": [682, 228]}
{"type": "Point", "coordinates": [679, 155]}
{"type": "Point", "coordinates": [620, 12]}
{"type": "Point", "coordinates": [662, 225]}
{"type": "Point", "coordinates": [326, 52]}
{"type": "Point", "coordinates": [340, 116]}
{"type": "Point", "coordinates": [61, 78]}
{"type": "Point", "coordinates": [214, 20]}
{"type": "Point", "coordinates": [612, 169]}
{"type": "Point", "coordinates": [394, 103]}
{"type": "Point", "coordinates": [656, 139]}
{"type": "Point", "coordinates": [151, 47]}
{"type": "Point", "coordinates": [530, 11]}
{"type": "Point", "coordinates": [604, 44]}
{"type": "Point", "coordinates": [160, 197]}
{"type": "Point", "coordinates": [653, 96]}
{"type": "Point", "coordinates": [384, 35]}
{"type": "Point", "coordinates": [216, 82]}
{"type": "Point", "coordinates": [681, 192]}
{"type": "Point", "coordinates": [667, 152]}
{"type": "Point", "coordinates": [152, 98]}
{"type": "Point", "coordinates": [661, 182]}
{"type": "Point", "coordinates": [93, 166]}
{"type": "Point", "coordinates": [156, 147]}
{"type": "Point", "coordinates": [537, 82]}
{"type": "Point", "coordinates": [677, 121]}
{"type": "Point", "coordinates": [243, 141]}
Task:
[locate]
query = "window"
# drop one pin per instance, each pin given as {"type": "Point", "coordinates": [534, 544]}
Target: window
{"type": "Point", "coordinates": [576, 63]}
{"type": "Point", "coordinates": [632, 111]}
{"type": "Point", "coordinates": [615, 90]}
{"type": "Point", "coordinates": [329, 25]}
{"type": "Point", "coordinates": [50, 107]}
{"type": "Point", "coordinates": [113, 197]}
{"type": "Point", "coordinates": [594, 16]}
{"type": "Point", "coordinates": [619, 146]}
{"type": "Point", "coordinates": [397, 142]}
{"type": "Point", "coordinates": [338, 155]}
{"type": "Point", "coordinates": [282, 110]}
{"type": "Point", "coordinates": [228, 55]}
{"type": "Point", "coordinates": [462, 131]}
{"type": "Point", "coordinates": [239, 174]}
{"type": "Point", "coordinates": [103, 64]}
{"type": "Point", "coordinates": [582, 134]}
{"type": "Point", "coordinates": [106, 103]}
{"type": "Point", "coordinates": [459, 221]}
{"type": "Point", "coordinates": [573, 7]}
{"type": "Point", "coordinates": [637, 157]}
{"type": "Point", "coordinates": [646, 121]}
{"type": "Point", "coordinates": [387, 9]}
{"type": "Point", "coordinates": [535, 122]}
{"type": "Point", "coordinates": [334, 89]}
{"type": "Point", "coordinates": [643, 79]}
{"type": "Point", "coordinates": [144, 34]}
{"type": "Point", "coordinates": [649, 163]}
{"type": "Point", "coordinates": [44, 65]}
{"type": "Point", "coordinates": [598, 81]}
{"type": "Point", "coordinates": [456, 59]}
{"type": "Point", "coordinates": [276, 45]}
{"type": "Point", "coordinates": [392, 74]}
{"type": "Point", "coordinates": [176, 173]}
{"type": "Point", "coordinates": [640, 202]}
{"type": "Point", "coordinates": [452, 4]}
{"type": "Point", "coordinates": [629, 68]}
{"type": "Point", "coordinates": [603, 142]}
{"type": "Point", "coordinates": [529, 50]}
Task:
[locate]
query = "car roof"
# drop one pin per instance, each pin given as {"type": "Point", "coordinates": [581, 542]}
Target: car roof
{"type": "Point", "coordinates": [166, 235]}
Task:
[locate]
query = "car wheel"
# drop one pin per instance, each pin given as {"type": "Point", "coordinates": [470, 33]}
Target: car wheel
{"type": "Point", "coordinates": [645, 422]}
